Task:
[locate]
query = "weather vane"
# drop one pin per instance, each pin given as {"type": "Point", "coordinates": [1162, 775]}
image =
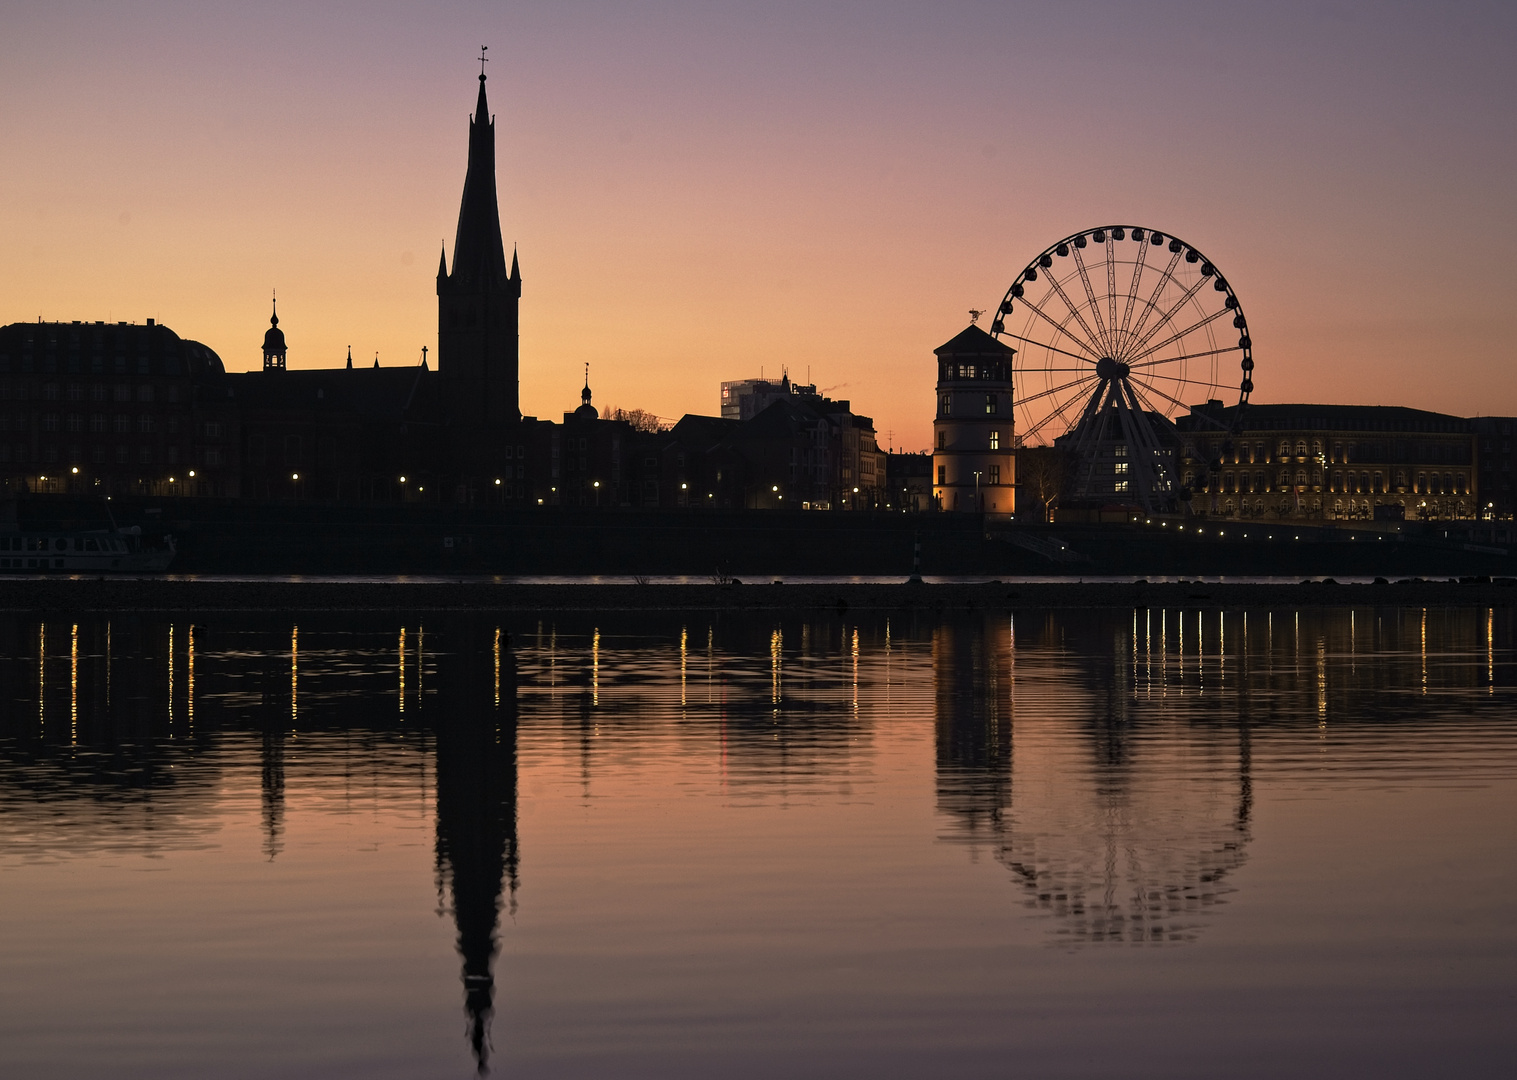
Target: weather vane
{"type": "Point", "coordinates": [483, 59]}
{"type": "Point", "coordinates": [974, 316]}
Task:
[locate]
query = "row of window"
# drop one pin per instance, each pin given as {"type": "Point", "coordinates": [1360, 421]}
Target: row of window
{"type": "Point", "coordinates": [121, 424]}
{"type": "Point", "coordinates": [998, 371]}
{"type": "Point", "coordinates": [1355, 483]}
{"type": "Point", "coordinates": [61, 543]}
{"type": "Point", "coordinates": [96, 391]}
{"type": "Point", "coordinates": [969, 404]}
{"type": "Point", "coordinates": [992, 475]}
{"type": "Point", "coordinates": [1342, 453]}
{"type": "Point", "coordinates": [992, 441]}
{"type": "Point", "coordinates": [101, 455]}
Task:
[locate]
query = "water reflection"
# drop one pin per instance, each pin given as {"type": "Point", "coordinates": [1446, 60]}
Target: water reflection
{"type": "Point", "coordinates": [476, 851]}
{"type": "Point", "coordinates": [1104, 761]}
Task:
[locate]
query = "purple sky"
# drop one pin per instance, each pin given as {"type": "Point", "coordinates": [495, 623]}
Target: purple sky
{"type": "Point", "coordinates": [701, 190]}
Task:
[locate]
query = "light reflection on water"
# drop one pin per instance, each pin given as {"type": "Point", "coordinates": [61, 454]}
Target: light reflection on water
{"type": "Point", "coordinates": [798, 844]}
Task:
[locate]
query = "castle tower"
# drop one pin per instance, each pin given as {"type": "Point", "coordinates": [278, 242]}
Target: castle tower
{"type": "Point", "coordinates": [477, 344]}
{"type": "Point", "coordinates": [973, 464]}
{"type": "Point", "coordinates": [273, 344]}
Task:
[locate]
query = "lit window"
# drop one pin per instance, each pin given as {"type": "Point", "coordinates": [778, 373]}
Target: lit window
{"type": "Point", "coordinates": [995, 440]}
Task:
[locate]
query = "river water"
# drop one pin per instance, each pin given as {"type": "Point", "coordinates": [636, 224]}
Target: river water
{"type": "Point", "coordinates": [1062, 843]}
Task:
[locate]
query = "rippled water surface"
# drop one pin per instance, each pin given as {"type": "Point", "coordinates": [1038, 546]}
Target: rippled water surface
{"type": "Point", "coordinates": [1065, 843]}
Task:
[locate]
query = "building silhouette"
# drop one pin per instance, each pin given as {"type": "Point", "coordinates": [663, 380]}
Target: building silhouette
{"type": "Point", "coordinates": [1329, 462]}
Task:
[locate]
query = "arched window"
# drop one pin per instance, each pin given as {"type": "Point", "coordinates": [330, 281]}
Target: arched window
{"type": "Point", "coordinates": [1337, 481]}
{"type": "Point", "coordinates": [1301, 448]}
{"type": "Point", "coordinates": [1301, 477]}
{"type": "Point", "coordinates": [1285, 447]}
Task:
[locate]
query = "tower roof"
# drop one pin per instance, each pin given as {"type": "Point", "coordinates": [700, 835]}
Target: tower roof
{"type": "Point", "coordinates": [972, 341]}
{"type": "Point", "coordinates": [273, 338]}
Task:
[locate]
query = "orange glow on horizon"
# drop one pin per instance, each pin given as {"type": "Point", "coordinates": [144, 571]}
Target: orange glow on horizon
{"type": "Point", "coordinates": [699, 199]}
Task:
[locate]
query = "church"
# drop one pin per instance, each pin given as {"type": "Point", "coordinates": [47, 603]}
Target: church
{"type": "Point", "coordinates": [124, 410]}
{"type": "Point", "coordinates": [453, 434]}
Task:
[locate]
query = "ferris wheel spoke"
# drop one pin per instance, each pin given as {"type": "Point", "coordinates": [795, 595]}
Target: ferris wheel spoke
{"type": "Point", "coordinates": [1072, 309]}
{"type": "Point", "coordinates": [1187, 356]}
{"type": "Point", "coordinates": [1111, 284]}
{"type": "Point", "coordinates": [1061, 328]}
{"type": "Point", "coordinates": [1205, 417]}
{"type": "Point", "coordinates": [1090, 292]}
{"type": "Point", "coordinates": [1179, 306]}
{"type": "Point", "coordinates": [1059, 412]}
{"type": "Point", "coordinates": [1188, 330]}
{"type": "Point", "coordinates": [1132, 288]}
{"type": "Point", "coordinates": [1155, 390]}
{"type": "Point", "coordinates": [1045, 345]}
{"type": "Point", "coordinates": [1153, 301]}
{"type": "Point", "coordinates": [1054, 390]}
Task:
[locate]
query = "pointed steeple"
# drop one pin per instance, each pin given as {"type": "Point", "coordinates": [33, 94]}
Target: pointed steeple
{"type": "Point", "coordinates": [515, 267]}
{"type": "Point", "coordinates": [442, 264]}
{"type": "Point", "coordinates": [479, 253]}
{"type": "Point", "coordinates": [350, 358]}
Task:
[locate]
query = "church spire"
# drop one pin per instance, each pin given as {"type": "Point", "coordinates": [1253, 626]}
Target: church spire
{"type": "Point", "coordinates": [479, 254]}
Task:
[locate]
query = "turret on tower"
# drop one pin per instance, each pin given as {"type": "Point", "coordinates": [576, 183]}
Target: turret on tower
{"type": "Point", "coordinates": [273, 343]}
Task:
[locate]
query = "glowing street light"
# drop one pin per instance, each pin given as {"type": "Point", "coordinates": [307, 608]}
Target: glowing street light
{"type": "Point", "coordinates": [75, 470]}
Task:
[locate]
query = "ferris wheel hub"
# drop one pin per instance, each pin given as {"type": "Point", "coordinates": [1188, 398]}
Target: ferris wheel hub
{"type": "Point", "coordinates": [1107, 368]}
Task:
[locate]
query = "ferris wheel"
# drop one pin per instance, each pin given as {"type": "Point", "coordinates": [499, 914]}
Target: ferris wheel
{"type": "Point", "coordinates": [1116, 330]}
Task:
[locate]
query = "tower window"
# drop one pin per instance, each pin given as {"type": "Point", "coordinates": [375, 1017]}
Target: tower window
{"type": "Point", "coordinates": [995, 474]}
{"type": "Point", "coordinates": [995, 440]}
{"type": "Point", "coordinates": [942, 474]}
{"type": "Point", "coordinates": [943, 406]}
{"type": "Point", "coordinates": [942, 438]}
{"type": "Point", "coordinates": [990, 403]}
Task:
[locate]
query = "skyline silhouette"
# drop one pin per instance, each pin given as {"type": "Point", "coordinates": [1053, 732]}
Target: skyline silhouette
{"type": "Point", "coordinates": [753, 181]}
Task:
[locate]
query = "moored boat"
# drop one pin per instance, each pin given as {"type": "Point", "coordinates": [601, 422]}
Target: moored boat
{"type": "Point", "coordinates": [82, 551]}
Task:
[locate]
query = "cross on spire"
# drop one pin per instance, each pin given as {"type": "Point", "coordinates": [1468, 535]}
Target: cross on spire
{"type": "Point", "coordinates": [483, 60]}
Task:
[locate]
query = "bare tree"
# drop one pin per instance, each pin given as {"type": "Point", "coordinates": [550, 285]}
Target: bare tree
{"type": "Point", "coordinates": [640, 419]}
{"type": "Point", "coordinates": [1042, 473]}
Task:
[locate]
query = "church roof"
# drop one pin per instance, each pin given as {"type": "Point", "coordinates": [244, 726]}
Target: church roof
{"type": "Point", "coordinates": [392, 393]}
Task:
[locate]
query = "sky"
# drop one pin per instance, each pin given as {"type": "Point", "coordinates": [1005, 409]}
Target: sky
{"type": "Point", "coordinates": [705, 191]}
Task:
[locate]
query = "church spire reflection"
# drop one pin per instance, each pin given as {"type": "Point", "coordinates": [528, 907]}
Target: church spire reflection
{"type": "Point", "coordinates": [476, 807]}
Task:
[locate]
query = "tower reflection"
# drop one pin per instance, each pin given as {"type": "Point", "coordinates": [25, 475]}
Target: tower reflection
{"type": "Point", "coordinates": [476, 852]}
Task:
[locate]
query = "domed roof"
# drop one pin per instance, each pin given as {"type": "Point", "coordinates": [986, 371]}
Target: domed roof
{"type": "Point", "coordinates": [273, 338]}
{"type": "Point", "coordinates": [586, 411]}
